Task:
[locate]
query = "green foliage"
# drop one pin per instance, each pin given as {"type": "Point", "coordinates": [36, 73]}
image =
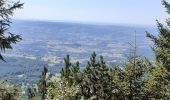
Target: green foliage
{"type": "Point", "coordinates": [161, 46]}
{"type": "Point", "coordinates": [137, 79]}
{"type": "Point", "coordinates": [96, 81]}
{"type": "Point", "coordinates": [71, 72]}
{"type": "Point", "coordinates": [159, 80]}
{"type": "Point", "coordinates": [42, 84]}
{"type": "Point", "coordinates": [9, 91]}
{"type": "Point", "coordinates": [131, 79]}
{"type": "Point", "coordinates": [61, 90]}
{"type": "Point", "coordinates": [31, 93]}
{"type": "Point", "coordinates": [66, 71]}
{"type": "Point", "coordinates": [157, 86]}
{"type": "Point", "coordinates": [6, 11]}
{"type": "Point", "coordinates": [52, 88]}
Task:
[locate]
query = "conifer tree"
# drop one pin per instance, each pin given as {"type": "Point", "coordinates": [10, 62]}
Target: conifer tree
{"type": "Point", "coordinates": [97, 82]}
{"type": "Point", "coordinates": [7, 38]}
{"type": "Point", "coordinates": [66, 71]}
{"type": "Point", "coordinates": [31, 93]}
{"type": "Point", "coordinates": [71, 72]}
{"type": "Point", "coordinates": [157, 86]}
{"type": "Point", "coordinates": [159, 79]}
{"type": "Point", "coordinates": [42, 84]}
{"type": "Point", "coordinates": [161, 42]}
{"type": "Point", "coordinates": [135, 71]}
{"type": "Point", "coordinates": [131, 78]}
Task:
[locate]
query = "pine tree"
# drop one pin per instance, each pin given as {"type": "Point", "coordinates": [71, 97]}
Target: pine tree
{"type": "Point", "coordinates": [71, 72]}
{"type": "Point", "coordinates": [157, 86]}
{"type": "Point", "coordinates": [31, 93]}
{"type": "Point", "coordinates": [7, 38]}
{"type": "Point", "coordinates": [65, 72]}
{"type": "Point", "coordinates": [42, 84]}
{"type": "Point", "coordinates": [131, 78]}
{"type": "Point", "coordinates": [161, 42]}
{"type": "Point", "coordinates": [97, 82]}
{"type": "Point", "coordinates": [159, 79]}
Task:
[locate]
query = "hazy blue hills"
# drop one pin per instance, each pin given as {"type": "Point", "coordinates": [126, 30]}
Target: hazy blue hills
{"type": "Point", "coordinates": [47, 43]}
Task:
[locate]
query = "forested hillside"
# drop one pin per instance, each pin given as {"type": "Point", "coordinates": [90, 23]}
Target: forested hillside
{"type": "Point", "coordinates": [139, 78]}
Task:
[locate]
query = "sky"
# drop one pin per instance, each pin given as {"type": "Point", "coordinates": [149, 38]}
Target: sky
{"type": "Point", "coordinates": [94, 11]}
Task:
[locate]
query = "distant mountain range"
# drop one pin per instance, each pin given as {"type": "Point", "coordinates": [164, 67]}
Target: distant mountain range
{"type": "Point", "coordinates": [47, 43]}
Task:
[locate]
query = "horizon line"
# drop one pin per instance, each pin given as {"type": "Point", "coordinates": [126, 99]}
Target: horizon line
{"type": "Point", "coordinates": [88, 22]}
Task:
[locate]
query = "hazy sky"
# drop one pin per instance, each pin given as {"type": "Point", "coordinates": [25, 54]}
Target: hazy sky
{"type": "Point", "coordinates": [98, 11]}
